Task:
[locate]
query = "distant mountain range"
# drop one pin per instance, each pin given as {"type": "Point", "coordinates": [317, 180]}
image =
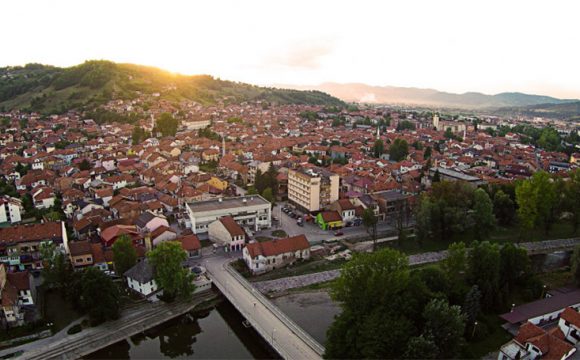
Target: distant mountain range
{"type": "Point", "coordinates": [356, 92]}
{"type": "Point", "coordinates": [47, 89]}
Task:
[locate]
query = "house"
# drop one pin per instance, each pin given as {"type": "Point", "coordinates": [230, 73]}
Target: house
{"type": "Point", "coordinates": [17, 294]}
{"type": "Point", "coordinates": [345, 208]}
{"type": "Point", "coordinates": [569, 323]}
{"type": "Point", "coordinates": [80, 253]}
{"type": "Point", "coordinates": [191, 245]}
{"type": "Point", "coordinates": [226, 232]}
{"type": "Point", "coordinates": [161, 234]}
{"type": "Point", "coordinates": [328, 220]}
{"type": "Point", "coordinates": [140, 278]}
{"type": "Point", "coordinates": [265, 256]}
{"type": "Point", "coordinates": [112, 233]}
{"type": "Point", "coordinates": [533, 342]}
{"type": "Point", "coordinates": [149, 222]}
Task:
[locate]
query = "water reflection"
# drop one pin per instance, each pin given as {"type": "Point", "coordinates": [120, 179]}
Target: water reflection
{"type": "Point", "coordinates": [214, 334]}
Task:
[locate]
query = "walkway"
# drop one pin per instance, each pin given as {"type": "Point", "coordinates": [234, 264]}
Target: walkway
{"type": "Point", "coordinates": [287, 338]}
{"type": "Point", "coordinates": [133, 321]}
{"type": "Point", "coordinates": [292, 282]}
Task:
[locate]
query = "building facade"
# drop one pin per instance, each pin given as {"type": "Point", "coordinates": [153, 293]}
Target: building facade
{"type": "Point", "coordinates": [250, 211]}
{"type": "Point", "coordinates": [312, 189]}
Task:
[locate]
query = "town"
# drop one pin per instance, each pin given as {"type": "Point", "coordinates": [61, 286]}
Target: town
{"type": "Point", "coordinates": [145, 187]}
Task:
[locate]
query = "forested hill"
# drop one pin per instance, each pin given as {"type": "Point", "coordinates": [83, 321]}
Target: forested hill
{"type": "Point", "coordinates": [43, 88]}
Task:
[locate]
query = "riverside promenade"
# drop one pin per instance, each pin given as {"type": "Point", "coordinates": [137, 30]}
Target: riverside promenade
{"type": "Point", "coordinates": [293, 282]}
{"type": "Point", "coordinates": [133, 321]}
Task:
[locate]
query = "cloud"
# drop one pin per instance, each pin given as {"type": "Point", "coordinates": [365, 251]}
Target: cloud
{"type": "Point", "coordinates": [307, 54]}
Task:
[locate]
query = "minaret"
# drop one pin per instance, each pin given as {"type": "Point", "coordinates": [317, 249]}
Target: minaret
{"type": "Point", "coordinates": [436, 121]}
{"type": "Point", "coordinates": [223, 145]}
{"type": "Point", "coordinates": [378, 132]}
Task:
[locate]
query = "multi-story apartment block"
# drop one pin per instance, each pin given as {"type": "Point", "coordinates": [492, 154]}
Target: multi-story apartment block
{"type": "Point", "coordinates": [10, 209]}
{"type": "Point", "coordinates": [312, 189]}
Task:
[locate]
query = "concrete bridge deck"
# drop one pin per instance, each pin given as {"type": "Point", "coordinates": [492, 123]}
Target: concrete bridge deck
{"type": "Point", "coordinates": [287, 338]}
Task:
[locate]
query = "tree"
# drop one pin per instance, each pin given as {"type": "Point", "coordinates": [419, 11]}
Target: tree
{"type": "Point", "coordinates": [421, 347]}
{"type": "Point", "coordinates": [100, 297]}
{"type": "Point", "coordinates": [503, 208]}
{"type": "Point", "coordinates": [167, 259]}
{"type": "Point", "coordinates": [546, 199]}
{"type": "Point", "coordinates": [124, 254]}
{"type": "Point", "coordinates": [484, 271]}
{"type": "Point", "coordinates": [405, 125]}
{"type": "Point", "coordinates": [378, 148]}
{"type": "Point", "coordinates": [423, 219]}
{"type": "Point", "coordinates": [484, 219]}
{"type": "Point", "coordinates": [427, 153]}
{"type": "Point", "coordinates": [56, 270]}
{"type": "Point", "coordinates": [549, 139]}
{"type": "Point", "coordinates": [167, 124]}
{"type": "Point", "coordinates": [575, 260]}
{"type": "Point", "coordinates": [267, 194]}
{"type": "Point", "coordinates": [370, 223]}
{"type": "Point", "coordinates": [572, 198]}
{"type": "Point", "coordinates": [84, 165]}
{"type": "Point", "coordinates": [515, 264]}
{"type": "Point", "coordinates": [436, 177]}
{"type": "Point", "coordinates": [456, 262]}
{"type": "Point", "coordinates": [527, 211]}
{"type": "Point", "coordinates": [375, 322]}
{"type": "Point", "coordinates": [445, 324]}
{"type": "Point", "coordinates": [472, 305]}
{"type": "Point", "coordinates": [398, 150]}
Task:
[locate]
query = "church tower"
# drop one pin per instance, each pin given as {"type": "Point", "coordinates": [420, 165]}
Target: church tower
{"type": "Point", "coordinates": [436, 121]}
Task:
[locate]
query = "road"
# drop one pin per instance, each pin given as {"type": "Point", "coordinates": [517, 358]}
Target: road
{"type": "Point", "coordinates": [284, 335]}
{"type": "Point", "coordinates": [312, 231]}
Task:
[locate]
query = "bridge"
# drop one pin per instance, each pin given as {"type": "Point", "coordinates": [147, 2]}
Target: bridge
{"type": "Point", "coordinates": [284, 335]}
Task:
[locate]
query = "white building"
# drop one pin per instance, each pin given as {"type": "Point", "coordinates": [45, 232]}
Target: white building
{"type": "Point", "coordinates": [226, 232]}
{"type": "Point", "coordinates": [312, 189]}
{"type": "Point", "coordinates": [140, 278]}
{"type": "Point", "coordinates": [10, 209]}
{"type": "Point", "coordinates": [252, 211]}
{"type": "Point", "coordinates": [264, 256]}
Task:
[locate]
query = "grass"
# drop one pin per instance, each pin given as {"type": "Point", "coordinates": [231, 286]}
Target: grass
{"type": "Point", "coordinates": [279, 234]}
{"type": "Point", "coordinates": [490, 340]}
{"type": "Point", "coordinates": [557, 279]}
{"type": "Point", "coordinates": [263, 238]}
{"type": "Point", "coordinates": [58, 311]}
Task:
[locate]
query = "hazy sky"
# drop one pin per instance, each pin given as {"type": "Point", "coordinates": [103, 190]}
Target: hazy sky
{"type": "Point", "coordinates": [457, 46]}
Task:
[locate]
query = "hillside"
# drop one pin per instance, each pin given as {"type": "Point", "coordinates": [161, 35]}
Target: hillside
{"type": "Point", "coordinates": [45, 88]}
{"type": "Point", "coordinates": [569, 110]}
{"type": "Point", "coordinates": [429, 97]}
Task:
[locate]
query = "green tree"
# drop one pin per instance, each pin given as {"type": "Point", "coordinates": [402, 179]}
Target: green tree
{"type": "Point", "coordinates": [575, 261]}
{"type": "Point", "coordinates": [572, 198]}
{"type": "Point", "coordinates": [378, 148]}
{"type": "Point", "coordinates": [484, 271]}
{"type": "Point", "coordinates": [546, 199]}
{"type": "Point", "coordinates": [398, 150]}
{"type": "Point", "coordinates": [405, 125]}
{"type": "Point", "coordinates": [167, 124]}
{"type": "Point", "coordinates": [456, 263]}
{"type": "Point", "coordinates": [446, 325]}
{"type": "Point", "coordinates": [484, 219]}
{"type": "Point", "coordinates": [124, 254]}
{"type": "Point", "coordinates": [85, 165]}
{"type": "Point", "coordinates": [375, 322]}
{"type": "Point", "coordinates": [503, 208]}
{"type": "Point", "coordinates": [436, 177]}
{"type": "Point", "coordinates": [370, 223]}
{"type": "Point", "coordinates": [100, 297]}
{"type": "Point", "coordinates": [170, 275]}
{"type": "Point", "coordinates": [423, 219]}
{"type": "Point", "coordinates": [526, 198]}
{"type": "Point", "coordinates": [427, 153]}
{"type": "Point", "coordinates": [515, 264]}
{"type": "Point", "coordinates": [549, 139]}
{"type": "Point", "coordinates": [472, 305]}
{"type": "Point", "coordinates": [421, 347]}
{"type": "Point", "coordinates": [267, 194]}
{"type": "Point", "coordinates": [57, 269]}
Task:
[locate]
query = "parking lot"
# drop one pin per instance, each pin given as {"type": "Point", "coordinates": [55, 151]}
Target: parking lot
{"type": "Point", "coordinates": [312, 231]}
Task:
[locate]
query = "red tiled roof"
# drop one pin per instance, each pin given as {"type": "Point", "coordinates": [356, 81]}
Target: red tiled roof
{"type": "Point", "coordinates": [232, 226]}
{"type": "Point", "coordinates": [34, 232]}
{"type": "Point", "coordinates": [190, 242]}
{"type": "Point", "coordinates": [278, 246]}
{"type": "Point", "coordinates": [572, 316]}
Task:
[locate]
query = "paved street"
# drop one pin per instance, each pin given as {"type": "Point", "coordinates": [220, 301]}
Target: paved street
{"type": "Point", "coordinates": [283, 334]}
{"type": "Point", "coordinates": [313, 233]}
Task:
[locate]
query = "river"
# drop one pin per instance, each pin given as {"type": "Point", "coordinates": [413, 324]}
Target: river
{"type": "Point", "coordinates": [218, 333]}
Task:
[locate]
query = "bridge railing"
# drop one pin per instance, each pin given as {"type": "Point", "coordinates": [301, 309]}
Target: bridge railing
{"type": "Point", "coordinates": [304, 336]}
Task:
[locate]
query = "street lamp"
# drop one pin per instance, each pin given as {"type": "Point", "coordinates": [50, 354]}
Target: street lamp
{"type": "Point", "coordinates": [474, 326]}
{"type": "Point", "coordinates": [273, 332]}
